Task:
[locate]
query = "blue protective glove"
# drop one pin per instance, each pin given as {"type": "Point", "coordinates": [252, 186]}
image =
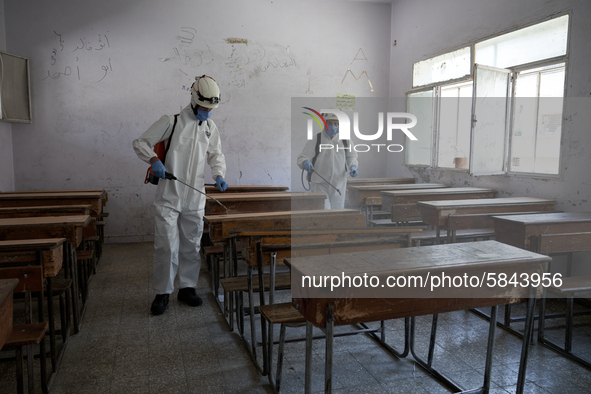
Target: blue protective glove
{"type": "Point", "coordinates": [307, 165]}
{"type": "Point", "coordinates": [353, 171]}
{"type": "Point", "coordinates": [221, 184]}
{"type": "Point", "coordinates": [158, 169]}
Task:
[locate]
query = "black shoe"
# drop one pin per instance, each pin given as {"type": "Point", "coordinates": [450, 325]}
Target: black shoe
{"type": "Point", "coordinates": [159, 304]}
{"type": "Point", "coordinates": [189, 296]}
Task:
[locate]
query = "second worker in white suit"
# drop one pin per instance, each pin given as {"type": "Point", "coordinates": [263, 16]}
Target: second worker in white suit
{"type": "Point", "coordinates": [332, 158]}
{"type": "Point", "coordinates": [179, 209]}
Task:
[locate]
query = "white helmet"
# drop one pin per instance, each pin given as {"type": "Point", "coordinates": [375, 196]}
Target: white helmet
{"type": "Point", "coordinates": [329, 116]}
{"type": "Point", "coordinates": [205, 92]}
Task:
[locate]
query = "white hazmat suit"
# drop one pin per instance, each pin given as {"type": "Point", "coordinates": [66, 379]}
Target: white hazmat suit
{"type": "Point", "coordinates": [180, 209]}
{"type": "Point", "coordinates": [332, 164]}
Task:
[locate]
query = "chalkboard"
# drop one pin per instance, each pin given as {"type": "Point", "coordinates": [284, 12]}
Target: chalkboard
{"type": "Point", "coordinates": [15, 97]}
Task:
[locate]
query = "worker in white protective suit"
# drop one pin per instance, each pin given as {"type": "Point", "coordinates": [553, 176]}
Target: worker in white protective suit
{"type": "Point", "coordinates": [332, 158]}
{"type": "Point", "coordinates": [179, 209]}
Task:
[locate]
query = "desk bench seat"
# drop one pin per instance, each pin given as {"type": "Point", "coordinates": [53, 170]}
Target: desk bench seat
{"type": "Point", "coordinates": [213, 249]}
{"type": "Point", "coordinates": [379, 213]}
{"type": "Point", "coordinates": [382, 222]}
{"type": "Point", "coordinates": [26, 335]}
{"type": "Point", "coordinates": [86, 254]}
{"type": "Point", "coordinates": [431, 235]}
{"type": "Point", "coordinates": [284, 313]}
{"type": "Point", "coordinates": [571, 287]}
{"type": "Point", "coordinates": [282, 282]}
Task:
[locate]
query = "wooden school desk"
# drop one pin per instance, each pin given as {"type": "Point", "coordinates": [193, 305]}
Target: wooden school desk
{"type": "Point", "coordinates": [69, 227]}
{"type": "Point", "coordinates": [104, 194]}
{"type": "Point", "coordinates": [93, 198]}
{"type": "Point", "coordinates": [265, 248]}
{"type": "Point", "coordinates": [326, 309]}
{"type": "Point", "coordinates": [436, 213]}
{"type": "Point", "coordinates": [246, 189]}
{"type": "Point", "coordinates": [222, 228]}
{"type": "Point", "coordinates": [372, 181]}
{"type": "Point", "coordinates": [264, 202]}
{"type": "Point", "coordinates": [52, 210]}
{"type": "Point", "coordinates": [548, 233]}
{"type": "Point", "coordinates": [406, 200]}
{"type": "Point", "coordinates": [51, 253]}
{"type": "Point", "coordinates": [48, 210]}
{"type": "Point", "coordinates": [378, 181]}
{"type": "Point", "coordinates": [358, 194]}
{"type": "Point", "coordinates": [6, 307]}
{"type": "Point", "coordinates": [90, 232]}
{"type": "Point", "coordinates": [525, 231]}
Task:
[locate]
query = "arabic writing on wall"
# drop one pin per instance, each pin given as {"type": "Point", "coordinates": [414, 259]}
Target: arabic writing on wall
{"type": "Point", "coordinates": [83, 58]}
{"type": "Point", "coordinates": [242, 61]}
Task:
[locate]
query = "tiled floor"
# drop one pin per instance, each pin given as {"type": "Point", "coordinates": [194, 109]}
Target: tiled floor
{"type": "Point", "coordinates": [121, 348]}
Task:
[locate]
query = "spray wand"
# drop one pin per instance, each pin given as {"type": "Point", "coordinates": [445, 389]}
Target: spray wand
{"type": "Point", "coordinates": [171, 177]}
{"type": "Point", "coordinates": [321, 177]}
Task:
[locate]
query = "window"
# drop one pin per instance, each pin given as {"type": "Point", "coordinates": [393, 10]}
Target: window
{"type": "Point", "coordinates": [420, 104]}
{"type": "Point", "coordinates": [489, 119]}
{"type": "Point", "coordinates": [442, 68]}
{"type": "Point", "coordinates": [506, 116]}
{"type": "Point", "coordinates": [537, 120]}
{"type": "Point", "coordinates": [534, 43]}
{"type": "Point", "coordinates": [455, 107]}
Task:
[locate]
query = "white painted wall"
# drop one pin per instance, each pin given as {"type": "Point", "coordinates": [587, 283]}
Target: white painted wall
{"type": "Point", "coordinates": [431, 27]}
{"type": "Point", "coordinates": [6, 159]}
{"type": "Point", "coordinates": [426, 28]}
{"type": "Point", "coordinates": [103, 71]}
{"type": "Point", "coordinates": [84, 122]}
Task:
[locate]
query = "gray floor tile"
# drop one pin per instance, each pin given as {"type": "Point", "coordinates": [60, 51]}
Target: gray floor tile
{"type": "Point", "coordinates": [122, 348]}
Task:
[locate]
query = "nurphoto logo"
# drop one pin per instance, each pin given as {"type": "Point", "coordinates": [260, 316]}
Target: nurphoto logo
{"type": "Point", "coordinates": [345, 129]}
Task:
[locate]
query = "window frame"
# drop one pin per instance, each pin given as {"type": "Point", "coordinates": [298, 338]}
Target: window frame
{"type": "Point", "coordinates": [433, 116]}
{"type": "Point", "coordinates": [506, 124]}
{"type": "Point", "coordinates": [437, 122]}
{"type": "Point", "coordinates": [511, 101]}
{"type": "Point", "coordinates": [525, 67]}
{"type": "Point", "coordinates": [449, 81]}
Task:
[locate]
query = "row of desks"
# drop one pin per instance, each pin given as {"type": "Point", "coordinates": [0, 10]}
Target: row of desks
{"type": "Point", "coordinates": [473, 255]}
{"type": "Point", "coordinates": [224, 225]}
{"type": "Point", "coordinates": [326, 309]}
{"type": "Point", "coordinates": [96, 199]}
{"type": "Point", "coordinates": [358, 195]}
{"type": "Point", "coordinates": [263, 202]}
{"type": "Point", "coordinates": [49, 226]}
{"type": "Point", "coordinates": [444, 202]}
{"type": "Point", "coordinates": [275, 198]}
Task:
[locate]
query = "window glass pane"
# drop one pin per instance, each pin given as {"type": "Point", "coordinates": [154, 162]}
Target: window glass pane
{"type": "Point", "coordinates": [441, 68]}
{"type": "Point", "coordinates": [549, 122]}
{"type": "Point", "coordinates": [525, 109]}
{"type": "Point", "coordinates": [421, 105]}
{"type": "Point", "coordinates": [490, 110]}
{"type": "Point", "coordinates": [538, 42]}
{"type": "Point", "coordinates": [537, 123]}
{"type": "Point", "coordinates": [455, 109]}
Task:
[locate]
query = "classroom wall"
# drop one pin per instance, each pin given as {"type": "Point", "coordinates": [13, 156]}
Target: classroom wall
{"type": "Point", "coordinates": [103, 71]}
{"type": "Point", "coordinates": [7, 177]}
{"type": "Point", "coordinates": [431, 27]}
